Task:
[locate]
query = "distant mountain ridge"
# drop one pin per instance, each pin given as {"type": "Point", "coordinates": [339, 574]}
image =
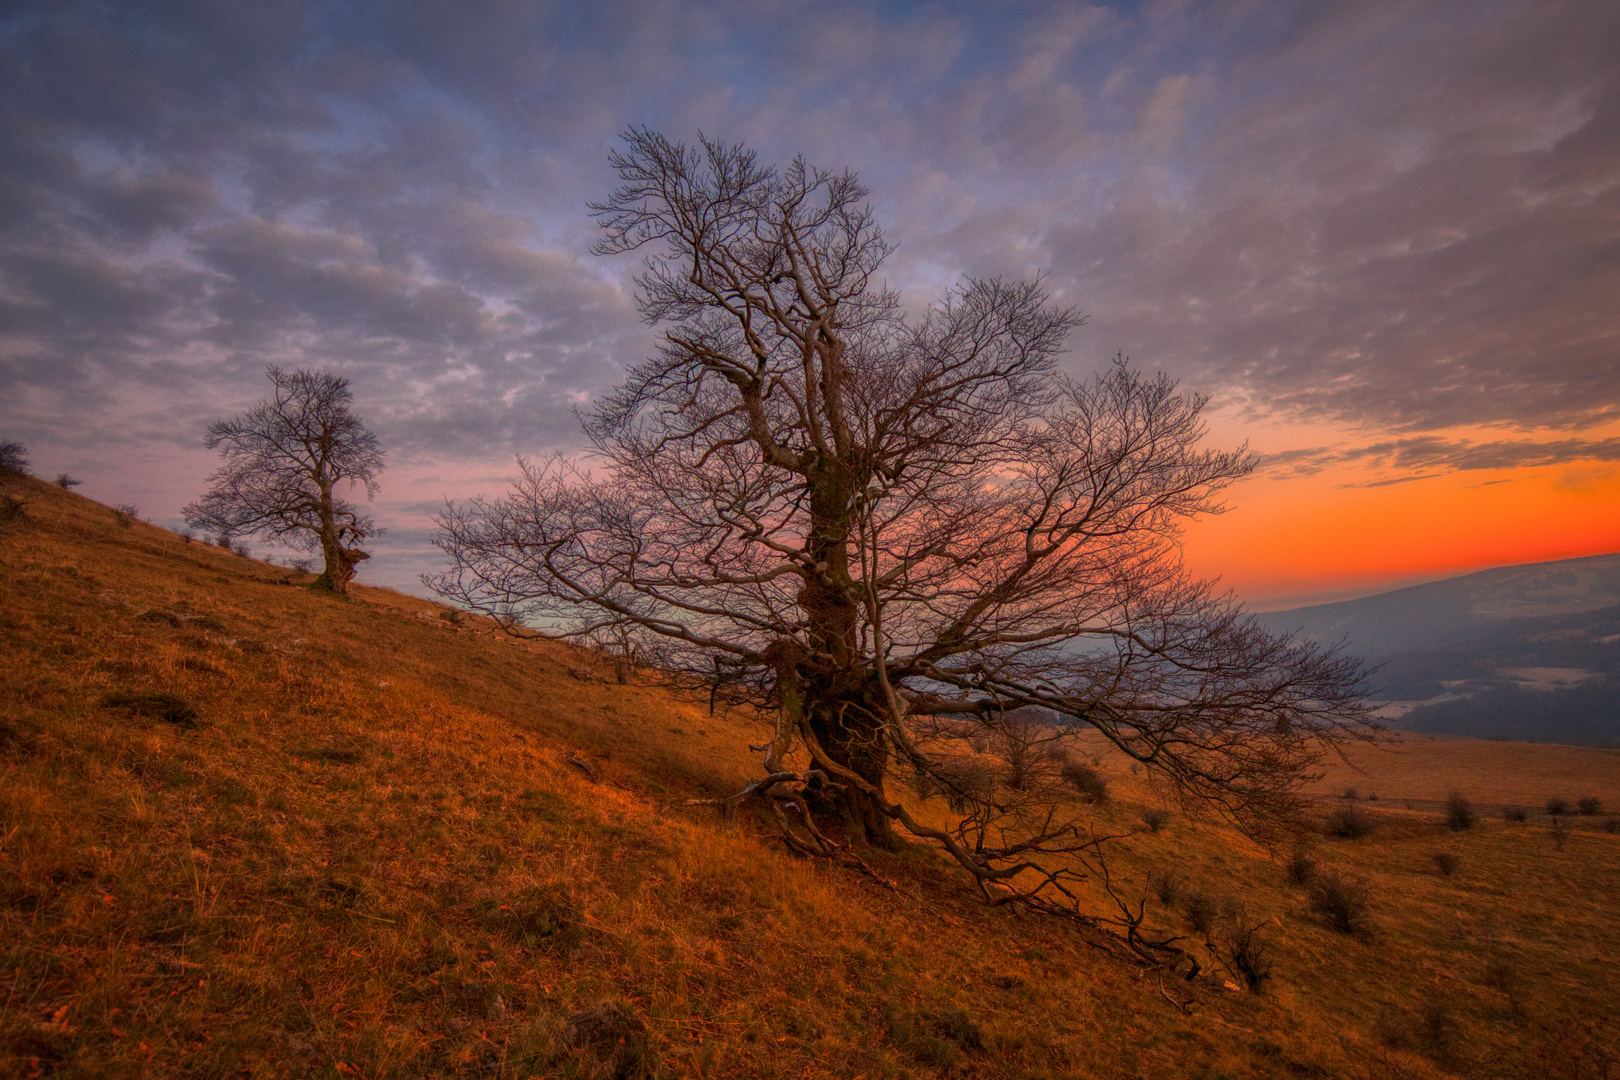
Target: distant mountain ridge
{"type": "Point", "coordinates": [1452, 611]}
{"type": "Point", "coordinates": [1526, 652]}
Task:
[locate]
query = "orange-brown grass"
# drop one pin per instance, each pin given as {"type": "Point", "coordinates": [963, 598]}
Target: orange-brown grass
{"type": "Point", "coordinates": [1430, 767]}
{"type": "Point", "coordinates": [371, 857]}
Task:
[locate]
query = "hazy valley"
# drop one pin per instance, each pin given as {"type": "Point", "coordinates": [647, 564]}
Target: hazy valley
{"type": "Point", "coordinates": [1517, 652]}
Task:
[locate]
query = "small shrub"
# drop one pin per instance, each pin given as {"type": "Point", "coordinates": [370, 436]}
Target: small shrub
{"type": "Point", "coordinates": [1556, 806]}
{"type": "Point", "coordinates": [1155, 818]}
{"type": "Point", "coordinates": [1459, 815]}
{"type": "Point", "coordinates": [12, 511]}
{"type": "Point", "coordinates": [241, 548]}
{"type": "Point", "coordinates": [1342, 901]}
{"type": "Point", "coordinates": [1201, 911]}
{"type": "Point", "coordinates": [1611, 824]}
{"type": "Point", "coordinates": [1348, 823]}
{"type": "Point", "coordinates": [1589, 806]}
{"type": "Point", "coordinates": [1515, 813]}
{"type": "Point", "coordinates": [1559, 833]}
{"type": "Point", "coordinates": [964, 783]}
{"type": "Point", "coordinates": [1350, 794]}
{"type": "Point", "coordinates": [125, 514]}
{"type": "Point", "coordinates": [1167, 885]}
{"type": "Point", "coordinates": [1372, 796]}
{"type": "Point", "coordinates": [13, 457]}
{"type": "Point", "coordinates": [1088, 782]}
{"type": "Point", "coordinates": [1445, 862]}
{"type": "Point", "coordinates": [1301, 866]}
{"type": "Point", "coordinates": [1244, 949]}
{"type": "Point", "coordinates": [67, 482]}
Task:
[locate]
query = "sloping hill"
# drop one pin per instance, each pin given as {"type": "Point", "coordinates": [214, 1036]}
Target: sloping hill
{"type": "Point", "coordinates": [250, 831]}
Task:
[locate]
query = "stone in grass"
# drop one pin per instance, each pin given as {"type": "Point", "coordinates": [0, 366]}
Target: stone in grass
{"type": "Point", "coordinates": [171, 707]}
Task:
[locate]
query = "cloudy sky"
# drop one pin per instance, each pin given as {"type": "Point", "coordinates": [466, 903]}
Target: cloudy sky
{"type": "Point", "coordinates": [1383, 237]}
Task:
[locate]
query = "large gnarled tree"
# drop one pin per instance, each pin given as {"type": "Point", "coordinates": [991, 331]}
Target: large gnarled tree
{"type": "Point", "coordinates": [286, 462]}
{"type": "Point", "coordinates": [896, 536]}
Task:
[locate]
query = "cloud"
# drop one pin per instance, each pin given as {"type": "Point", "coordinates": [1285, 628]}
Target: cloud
{"type": "Point", "coordinates": [1445, 455]}
{"type": "Point", "coordinates": [1396, 217]}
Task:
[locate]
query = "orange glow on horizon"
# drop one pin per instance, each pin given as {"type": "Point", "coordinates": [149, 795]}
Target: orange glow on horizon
{"type": "Point", "coordinates": [1293, 542]}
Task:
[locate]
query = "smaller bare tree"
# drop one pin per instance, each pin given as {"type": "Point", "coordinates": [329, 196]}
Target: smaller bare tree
{"type": "Point", "coordinates": [285, 460]}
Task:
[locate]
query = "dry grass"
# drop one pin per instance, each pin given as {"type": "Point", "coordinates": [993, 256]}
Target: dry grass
{"type": "Point", "coordinates": [370, 857]}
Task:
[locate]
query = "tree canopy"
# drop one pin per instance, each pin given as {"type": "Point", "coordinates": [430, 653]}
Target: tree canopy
{"type": "Point", "coordinates": [895, 536]}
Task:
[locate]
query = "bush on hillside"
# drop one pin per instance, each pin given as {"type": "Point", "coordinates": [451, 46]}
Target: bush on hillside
{"type": "Point", "coordinates": [12, 512]}
{"type": "Point", "coordinates": [1589, 806]}
{"type": "Point", "coordinates": [962, 783]}
{"type": "Point", "coordinates": [13, 457]}
{"type": "Point", "coordinates": [1155, 818]}
{"type": "Point", "coordinates": [1242, 948]}
{"type": "Point", "coordinates": [1459, 815]}
{"type": "Point", "coordinates": [1167, 885]}
{"type": "Point", "coordinates": [1344, 902]}
{"type": "Point", "coordinates": [1088, 782]}
{"type": "Point", "coordinates": [1348, 823]}
{"type": "Point", "coordinates": [1301, 866]}
{"type": "Point", "coordinates": [1201, 911]}
{"type": "Point", "coordinates": [1557, 806]}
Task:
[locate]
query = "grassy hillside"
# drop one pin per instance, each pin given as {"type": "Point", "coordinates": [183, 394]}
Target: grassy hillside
{"type": "Point", "coordinates": [250, 831]}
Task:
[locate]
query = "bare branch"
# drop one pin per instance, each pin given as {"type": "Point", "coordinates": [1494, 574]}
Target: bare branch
{"type": "Point", "coordinates": [931, 557]}
{"type": "Point", "coordinates": [284, 461]}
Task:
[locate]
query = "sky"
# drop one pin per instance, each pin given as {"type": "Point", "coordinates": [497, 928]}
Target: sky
{"type": "Point", "coordinates": [1383, 238]}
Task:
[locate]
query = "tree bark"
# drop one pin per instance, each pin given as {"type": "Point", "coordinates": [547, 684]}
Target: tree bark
{"type": "Point", "coordinates": [852, 735]}
{"type": "Point", "coordinates": [338, 569]}
{"type": "Point", "coordinates": [841, 707]}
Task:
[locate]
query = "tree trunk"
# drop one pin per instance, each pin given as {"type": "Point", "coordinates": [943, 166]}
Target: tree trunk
{"type": "Point", "coordinates": [841, 707]}
{"type": "Point", "coordinates": [338, 569]}
{"type": "Point", "coordinates": [853, 737]}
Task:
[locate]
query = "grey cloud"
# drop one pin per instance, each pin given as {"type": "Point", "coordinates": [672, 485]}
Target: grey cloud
{"type": "Point", "coordinates": [1401, 216]}
{"type": "Point", "coordinates": [1449, 455]}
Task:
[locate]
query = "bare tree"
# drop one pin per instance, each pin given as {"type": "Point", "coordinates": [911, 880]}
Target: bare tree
{"type": "Point", "coordinates": [285, 460]}
{"type": "Point", "coordinates": [889, 534]}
